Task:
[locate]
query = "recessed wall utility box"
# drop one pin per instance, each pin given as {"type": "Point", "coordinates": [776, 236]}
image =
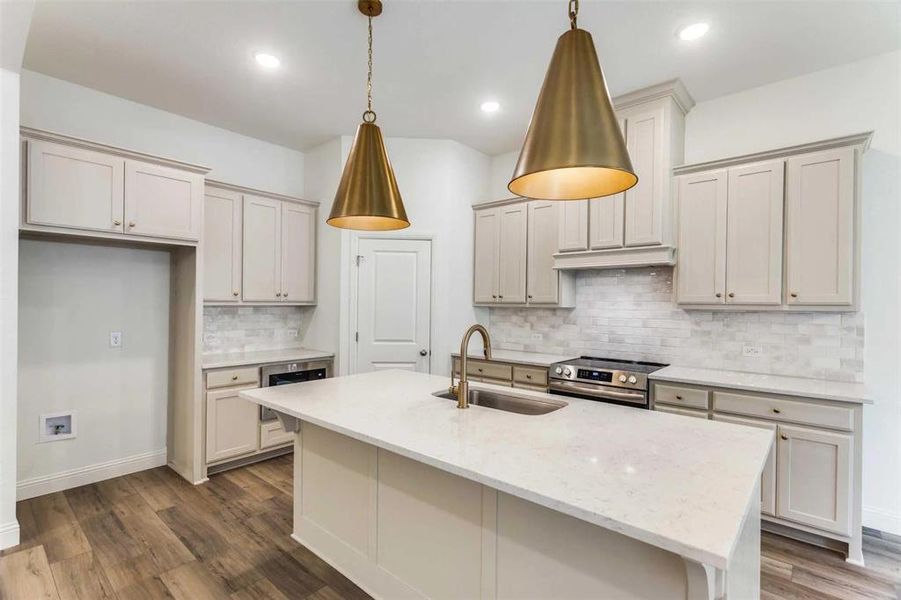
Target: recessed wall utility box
{"type": "Point", "coordinates": [57, 426]}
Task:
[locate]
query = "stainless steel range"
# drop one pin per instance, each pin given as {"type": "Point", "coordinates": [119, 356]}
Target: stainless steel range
{"type": "Point", "coordinates": [604, 379]}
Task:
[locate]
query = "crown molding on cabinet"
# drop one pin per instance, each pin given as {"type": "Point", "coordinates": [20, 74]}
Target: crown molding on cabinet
{"type": "Point", "coordinates": [255, 192]}
{"type": "Point", "coordinates": [616, 258]}
{"type": "Point", "coordinates": [501, 202]}
{"type": "Point", "coordinates": [59, 138]}
{"type": "Point", "coordinates": [858, 139]}
{"type": "Point", "coordinates": [673, 88]}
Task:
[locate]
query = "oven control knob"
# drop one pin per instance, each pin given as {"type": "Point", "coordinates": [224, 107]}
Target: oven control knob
{"type": "Point", "coordinates": [632, 379]}
{"type": "Point", "coordinates": [567, 372]}
{"type": "Point", "coordinates": [622, 379]}
{"type": "Point", "coordinates": [558, 370]}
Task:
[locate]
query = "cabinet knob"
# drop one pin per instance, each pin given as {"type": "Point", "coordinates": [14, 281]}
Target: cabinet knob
{"type": "Point", "coordinates": [794, 294]}
{"type": "Point", "coordinates": [500, 296]}
{"type": "Point", "coordinates": [480, 369]}
{"type": "Point", "coordinates": [783, 436]}
{"type": "Point", "coordinates": [131, 223]}
{"type": "Point", "coordinates": [732, 294]}
{"type": "Point", "coordinates": [117, 222]}
{"type": "Point", "coordinates": [494, 296]}
{"type": "Point", "coordinates": [278, 294]}
{"type": "Point", "coordinates": [678, 397]}
{"type": "Point", "coordinates": [234, 378]}
{"type": "Point", "coordinates": [718, 295]}
{"type": "Point", "coordinates": [530, 296]}
{"type": "Point", "coordinates": [528, 376]}
{"type": "Point", "coordinates": [235, 294]}
{"type": "Point", "coordinates": [284, 294]}
{"type": "Point", "coordinates": [777, 411]}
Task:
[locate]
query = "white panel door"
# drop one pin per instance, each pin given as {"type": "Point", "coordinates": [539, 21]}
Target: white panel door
{"type": "Point", "coordinates": [644, 201]}
{"type": "Point", "coordinates": [232, 425]}
{"type": "Point", "coordinates": [768, 477]}
{"type": "Point", "coordinates": [606, 217]}
{"type": "Point", "coordinates": [754, 234]}
{"type": "Point", "coordinates": [222, 246]}
{"type": "Point", "coordinates": [701, 270]}
{"type": "Point", "coordinates": [820, 227]}
{"type": "Point", "coordinates": [573, 226]}
{"type": "Point", "coordinates": [814, 478]}
{"type": "Point", "coordinates": [393, 305]}
{"type": "Point", "coordinates": [298, 252]}
{"type": "Point", "coordinates": [262, 249]}
{"type": "Point", "coordinates": [542, 279]}
{"type": "Point", "coordinates": [162, 201]}
{"type": "Point", "coordinates": [71, 187]}
{"type": "Point", "coordinates": [485, 255]}
{"type": "Point", "coordinates": [511, 282]}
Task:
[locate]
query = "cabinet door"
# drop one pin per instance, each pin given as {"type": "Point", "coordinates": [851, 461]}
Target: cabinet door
{"type": "Point", "coordinates": [542, 279]}
{"type": "Point", "coordinates": [162, 202]}
{"type": "Point", "coordinates": [820, 227]}
{"type": "Point", "coordinates": [485, 255]}
{"type": "Point", "coordinates": [232, 425]}
{"type": "Point", "coordinates": [644, 202]}
{"type": "Point", "coordinates": [754, 234]}
{"type": "Point", "coordinates": [701, 270]}
{"type": "Point", "coordinates": [511, 287]}
{"type": "Point", "coordinates": [606, 217]}
{"type": "Point", "coordinates": [71, 187]}
{"type": "Point", "coordinates": [813, 483]}
{"type": "Point", "coordinates": [573, 226]}
{"type": "Point", "coordinates": [298, 253]}
{"type": "Point", "coordinates": [221, 246]}
{"type": "Point", "coordinates": [262, 249]}
{"type": "Point", "coordinates": [768, 477]}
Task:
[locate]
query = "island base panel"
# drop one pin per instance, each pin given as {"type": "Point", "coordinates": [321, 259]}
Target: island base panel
{"type": "Point", "coordinates": [402, 529]}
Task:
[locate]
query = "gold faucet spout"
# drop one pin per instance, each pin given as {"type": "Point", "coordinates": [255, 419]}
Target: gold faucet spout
{"type": "Point", "coordinates": [461, 390]}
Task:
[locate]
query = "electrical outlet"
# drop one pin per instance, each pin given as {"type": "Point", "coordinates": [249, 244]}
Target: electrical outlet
{"type": "Point", "coordinates": [209, 338]}
{"type": "Point", "coordinates": [115, 339]}
{"type": "Point", "coordinates": [292, 333]}
{"type": "Point", "coordinates": [752, 350]}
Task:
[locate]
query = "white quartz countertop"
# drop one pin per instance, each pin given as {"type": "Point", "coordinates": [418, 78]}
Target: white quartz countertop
{"type": "Point", "coordinates": [822, 389]}
{"type": "Point", "coordinates": [261, 357]}
{"type": "Point", "coordinates": [681, 484]}
{"type": "Point", "coordinates": [521, 357]}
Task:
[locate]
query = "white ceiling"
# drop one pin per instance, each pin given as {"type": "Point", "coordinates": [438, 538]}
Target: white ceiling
{"type": "Point", "coordinates": [435, 61]}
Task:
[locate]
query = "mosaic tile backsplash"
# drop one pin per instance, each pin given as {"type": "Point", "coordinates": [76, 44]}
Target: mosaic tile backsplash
{"type": "Point", "coordinates": [249, 328]}
{"type": "Point", "coordinates": [630, 314]}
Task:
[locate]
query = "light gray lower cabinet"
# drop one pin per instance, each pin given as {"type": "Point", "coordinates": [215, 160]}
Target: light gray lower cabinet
{"type": "Point", "coordinates": [812, 477]}
{"type": "Point", "coordinates": [527, 377]}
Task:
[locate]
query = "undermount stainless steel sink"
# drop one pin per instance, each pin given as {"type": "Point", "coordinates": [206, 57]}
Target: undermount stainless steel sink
{"type": "Point", "coordinates": [522, 405]}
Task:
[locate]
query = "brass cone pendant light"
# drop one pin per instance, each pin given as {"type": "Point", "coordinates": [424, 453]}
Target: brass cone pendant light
{"type": "Point", "coordinates": [574, 148]}
{"type": "Point", "coordinates": [368, 198]}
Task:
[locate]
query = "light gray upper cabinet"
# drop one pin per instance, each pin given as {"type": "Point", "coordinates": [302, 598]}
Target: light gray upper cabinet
{"type": "Point", "coordinates": [80, 188]}
{"type": "Point", "coordinates": [572, 226]}
{"type": "Point", "coordinates": [222, 245]}
{"type": "Point", "coordinates": [774, 230]}
{"type": "Point", "coordinates": [647, 143]}
{"type": "Point", "coordinates": [542, 280]}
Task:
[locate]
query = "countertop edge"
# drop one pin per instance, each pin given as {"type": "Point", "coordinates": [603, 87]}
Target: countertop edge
{"type": "Point", "coordinates": [717, 560]}
{"type": "Point", "coordinates": [513, 361]}
{"type": "Point", "coordinates": [210, 364]}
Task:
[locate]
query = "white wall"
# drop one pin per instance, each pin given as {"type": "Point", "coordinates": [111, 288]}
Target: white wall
{"type": "Point", "coordinates": [9, 265]}
{"type": "Point", "coordinates": [64, 107]}
{"type": "Point", "coordinates": [71, 296]}
{"type": "Point", "coordinates": [851, 98]}
{"type": "Point", "coordinates": [499, 175]}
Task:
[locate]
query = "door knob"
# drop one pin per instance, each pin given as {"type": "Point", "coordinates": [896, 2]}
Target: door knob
{"type": "Point", "coordinates": [423, 352]}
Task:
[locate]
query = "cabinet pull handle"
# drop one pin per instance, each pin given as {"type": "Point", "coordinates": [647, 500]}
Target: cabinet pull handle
{"type": "Point", "coordinates": [783, 436]}
{"type": "Point", "coordinates": [117, 222]}
{"type": "Point", "coordinates": [732, 294]}
{"type": "Point", "coordinates": [794, 294]}
{"type": "Point", "coordinates": [718, 295]}
{"type": "Point", "coordinates": [777, 411]}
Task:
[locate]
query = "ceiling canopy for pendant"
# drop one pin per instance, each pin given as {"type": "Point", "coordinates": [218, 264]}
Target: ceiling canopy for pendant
{"type": "Point", "coordinates": [368, 198]}
{"type": "Point", "coordinates": [574, 148]}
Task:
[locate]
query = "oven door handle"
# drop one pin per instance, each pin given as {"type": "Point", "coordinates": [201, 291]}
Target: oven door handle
{"type": "Point", "coordinates": [595, 391]}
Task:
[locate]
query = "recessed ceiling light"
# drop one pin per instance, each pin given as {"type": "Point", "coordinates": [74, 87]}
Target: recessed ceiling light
{"type": "Point", "coordinates": [693, 31]}
{"type": "Point", "coordinates": [267, 60]}
{"type": "Point", "coordinates": [490, 106]}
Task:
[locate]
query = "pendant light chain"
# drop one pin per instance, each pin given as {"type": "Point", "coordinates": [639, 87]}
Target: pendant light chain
{"type": "Point", "coordinates": [369, 115]}
{"type": "Point", "coordinates": [573, 13]}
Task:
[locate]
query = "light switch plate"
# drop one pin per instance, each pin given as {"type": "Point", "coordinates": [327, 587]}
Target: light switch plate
{"type": "Point", "coordinates": [115, 339]}
{"type": "Point", "coordinates": [752, 350]}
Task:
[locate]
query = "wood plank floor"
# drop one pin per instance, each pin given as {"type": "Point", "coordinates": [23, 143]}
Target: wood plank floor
{"type": "Point", "coordinates": [153, 535]}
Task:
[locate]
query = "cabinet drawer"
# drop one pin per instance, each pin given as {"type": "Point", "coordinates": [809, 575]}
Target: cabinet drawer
{"type": "Point", "coordinates": [834, 417]}
{"type": "Point", "coordinates": [272, 434]}
{"type": "Point", "coordinates": [686, 412]}
{"type": "Point", "coordinates": [492, 381]}
{"type": "Point", "coordinates": [229, 377]}
{"type": "Point", "coordinates": [485, 369]}
{"type": "Point", "coordinates": [680, 396]}
{"type": "Point", "coordinates": [528, 386]}
{"type": "Point", "coordinates": [530, 375]}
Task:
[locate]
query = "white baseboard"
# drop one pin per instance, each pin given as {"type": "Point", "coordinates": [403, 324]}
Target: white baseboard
{"type": "Point", "coordinates": [883, 520]}
{"type": "Point", "coordinates": [9, 535]}
{"type": "Point", "coordinates": [57, 482]}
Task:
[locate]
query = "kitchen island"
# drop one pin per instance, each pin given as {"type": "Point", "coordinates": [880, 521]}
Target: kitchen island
{"type": "Point", "coordinates": [411, 497]}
